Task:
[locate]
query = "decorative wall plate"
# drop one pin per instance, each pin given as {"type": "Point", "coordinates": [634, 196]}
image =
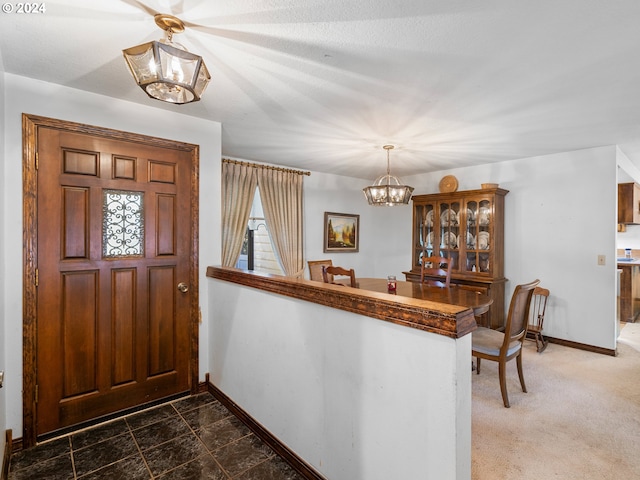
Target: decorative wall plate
{"type": "Point", "coordinates": [449, 218]}
{"type": "Point", "coordinates": [449, 183]}
{"type": "Point", "coordinates": [429, 220]}
{"type": "Point", "coordinates": [449, 240]}
{"type": "Point", "coordinates": [484, 216]}
{"type": "Point", "coordinates": [483, 240]}
{"type": "Point", "coordinates": [470, 243]}
{"type": "Point", "coordinates": [471, 216]}
{"type": "Point", "coordinates": [430, 239]}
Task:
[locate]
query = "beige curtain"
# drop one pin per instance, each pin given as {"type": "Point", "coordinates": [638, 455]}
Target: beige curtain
{"type": "Point", "coordinates": [239, 183]}
{"type": "Point", "coordinates": [281, 193]}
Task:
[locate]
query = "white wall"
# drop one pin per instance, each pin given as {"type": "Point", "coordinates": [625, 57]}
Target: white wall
{"type": "Point", "coordinates": [560, 215]}
{"type": "Point", "coordinates": [630, 238]}
{"type": "Point", "coordinates": [24, 95]}
{"type": "Point", "coordinates": [384, 248]}
{"type": "Point", "coordinates": [3, 202]}
{"type": "Point", "coordinates": [356, 397]}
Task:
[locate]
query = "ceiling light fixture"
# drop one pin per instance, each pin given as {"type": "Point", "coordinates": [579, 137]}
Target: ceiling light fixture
{"type": "Point", "coordinates": [387, 190]}
{"type": "Point", "coordinates": [165, 70]}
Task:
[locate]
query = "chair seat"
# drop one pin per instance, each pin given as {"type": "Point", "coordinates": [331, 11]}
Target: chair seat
{"type": "Point", "coordinates": [488, 342]}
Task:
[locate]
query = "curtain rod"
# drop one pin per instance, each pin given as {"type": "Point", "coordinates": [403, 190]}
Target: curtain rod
{"type": "Point", "coordinates": [268, 167]}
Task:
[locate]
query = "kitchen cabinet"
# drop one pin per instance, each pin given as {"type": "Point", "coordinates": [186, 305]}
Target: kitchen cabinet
{"type": "Point", "coordinates": [468, 228]}
{"type": "Point", "coordinates": [629, 290]}
{"type": "Point", "coordinates": [628, 203]}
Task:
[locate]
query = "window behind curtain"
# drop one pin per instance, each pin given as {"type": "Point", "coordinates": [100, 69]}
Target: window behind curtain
{"type": "Point", "coordinates": [264, 258]}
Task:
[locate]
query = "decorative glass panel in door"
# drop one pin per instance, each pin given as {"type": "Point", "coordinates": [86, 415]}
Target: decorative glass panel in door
{"type": "Point", "coordinates": [122, 224]}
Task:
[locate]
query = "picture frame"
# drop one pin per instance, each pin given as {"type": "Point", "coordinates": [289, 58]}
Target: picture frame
{"type": "Point", "coordinates": [341, 232]}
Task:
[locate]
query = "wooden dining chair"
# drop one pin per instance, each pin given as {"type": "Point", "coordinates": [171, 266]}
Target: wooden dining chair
{"type": "Point", "coordinates": [536, 317]}
{"type": "Point", "coordinates": [315, 269]}
{"type": "Point", "coordinates": [503, 346]}
{"type": "Point", "coordinates": [330, 272]}
{"type": "Point", "coordinates": [435, 271]}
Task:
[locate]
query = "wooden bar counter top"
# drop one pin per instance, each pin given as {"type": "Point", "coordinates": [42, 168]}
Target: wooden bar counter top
{"type": "Point", "coordinates": [441, 318]}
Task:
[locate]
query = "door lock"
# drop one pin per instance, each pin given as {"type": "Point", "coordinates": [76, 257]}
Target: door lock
{"type": "Point", "coordinates": [183, 287]}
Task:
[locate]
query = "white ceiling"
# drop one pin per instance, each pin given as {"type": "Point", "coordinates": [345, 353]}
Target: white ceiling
{"type": "Point", "coordinates": [322, 84]}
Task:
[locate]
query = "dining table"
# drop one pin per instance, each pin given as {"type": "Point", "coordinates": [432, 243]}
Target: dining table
{"type": "Point", "coordinates": [453, 295]}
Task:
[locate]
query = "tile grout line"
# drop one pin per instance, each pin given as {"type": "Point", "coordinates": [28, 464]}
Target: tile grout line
{"type": "Point", "coordinates": [144, 460]}
{"type": "Point", "coordinates": [209, 452]}
{"type": "Point", "coordinates": [73, 460]}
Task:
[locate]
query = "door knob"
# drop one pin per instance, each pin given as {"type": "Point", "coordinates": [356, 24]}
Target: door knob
{"type": "Point", "coordinates": [183, 287]}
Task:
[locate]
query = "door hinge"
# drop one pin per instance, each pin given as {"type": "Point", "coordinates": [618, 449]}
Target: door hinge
{"type": "Point", "coordinates": [37, 161]}
{"type": "Point", "coordinates": [36, 399]}
{"type": "Point", "coordinates": [37, 279]}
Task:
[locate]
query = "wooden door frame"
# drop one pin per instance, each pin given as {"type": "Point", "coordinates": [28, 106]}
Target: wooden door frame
{"type": "Point", "coordinates": [30, 125]}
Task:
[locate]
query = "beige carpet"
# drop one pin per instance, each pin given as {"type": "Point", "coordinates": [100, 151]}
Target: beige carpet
{"type": "Point", "coordinates": [580, 419]}
{"type": "Point", "coordinates": [630, 335]}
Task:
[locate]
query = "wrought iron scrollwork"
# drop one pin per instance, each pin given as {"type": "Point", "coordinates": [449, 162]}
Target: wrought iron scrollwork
{"type": "Point", "coordinates": [123, 224]}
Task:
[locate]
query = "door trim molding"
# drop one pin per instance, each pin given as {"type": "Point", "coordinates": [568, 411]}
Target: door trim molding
{"type": "Point", "coordinates": [30, 126]}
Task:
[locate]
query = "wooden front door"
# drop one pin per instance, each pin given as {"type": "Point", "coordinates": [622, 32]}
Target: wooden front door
{"type": "Point", "coordinates": [115, 273]}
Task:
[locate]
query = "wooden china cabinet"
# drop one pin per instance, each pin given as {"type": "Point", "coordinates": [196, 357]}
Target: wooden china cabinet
{"type": "Point", "coordinates": [468, 228]}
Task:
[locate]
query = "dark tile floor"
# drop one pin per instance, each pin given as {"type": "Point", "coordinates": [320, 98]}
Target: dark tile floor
{"type": "Point", "coordinates": [191, 438]}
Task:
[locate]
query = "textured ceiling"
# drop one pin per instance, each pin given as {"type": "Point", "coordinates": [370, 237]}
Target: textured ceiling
{"type": "Point", "coordinates": [322, 85]}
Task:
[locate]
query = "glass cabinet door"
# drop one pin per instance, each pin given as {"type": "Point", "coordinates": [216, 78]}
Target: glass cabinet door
{"type": "Point", "coordinates": [449, 232]}
{"type": "Point", "coordinates": [425, 232]}
{"type": "Point", "coordinates": [478, 243]}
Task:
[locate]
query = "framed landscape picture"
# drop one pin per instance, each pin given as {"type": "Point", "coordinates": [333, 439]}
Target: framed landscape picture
{"type": "Point", "coordinates": [341, 232]}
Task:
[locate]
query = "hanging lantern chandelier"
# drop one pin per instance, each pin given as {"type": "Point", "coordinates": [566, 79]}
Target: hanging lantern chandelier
{"type": "Point", "coordinates": [387, 189]}
{"type": "Point", "coordinates": [166, 70]}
